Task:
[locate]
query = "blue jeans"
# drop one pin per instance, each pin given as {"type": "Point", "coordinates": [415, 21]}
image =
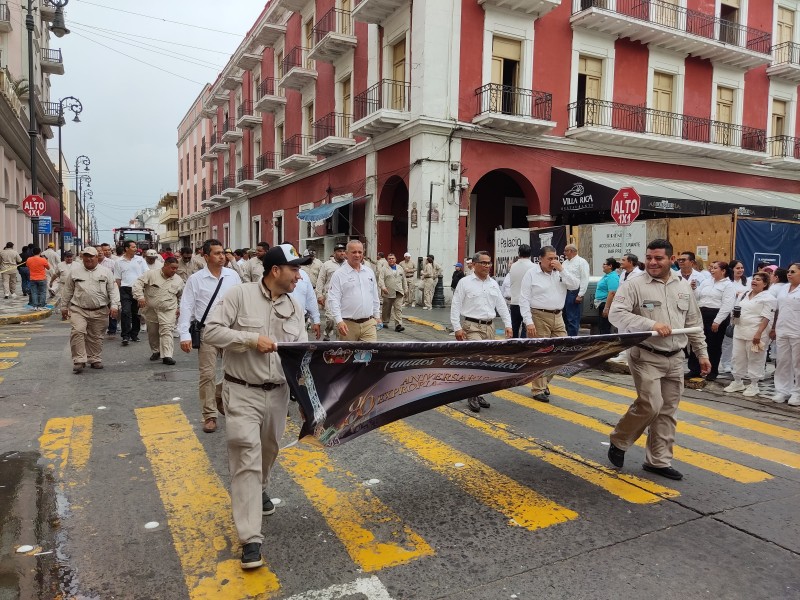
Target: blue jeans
{"type": "Point", "coordinates": [572, 313]}
{"type": "Point", "coordinates": [25, 275]}
{"type": "Point", "coordinates": [38, 293]}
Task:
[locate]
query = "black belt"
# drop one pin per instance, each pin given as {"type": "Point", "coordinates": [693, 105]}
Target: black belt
{"type": "Point", "coordinates": [85, 308]}
{"type": "Point", "coordinates": [667, 353]}
{"type": "Point", "coordinates": [364, 320]}
{"type": "Point", "coordinates": [263, 386]}
{"type": "Point", "coordinates": [481, 321]}
{"type": "Point", "coordinates": [547, 310]}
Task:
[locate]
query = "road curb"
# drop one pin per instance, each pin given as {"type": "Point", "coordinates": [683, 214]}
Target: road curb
{"type": "Point", "coordinates": [430, 324]}
{"type": "Point", "coordinates": [30, 317]}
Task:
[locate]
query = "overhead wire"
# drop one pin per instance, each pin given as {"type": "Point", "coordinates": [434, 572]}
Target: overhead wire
{"type": "Point", "coordinates": [144, 37]}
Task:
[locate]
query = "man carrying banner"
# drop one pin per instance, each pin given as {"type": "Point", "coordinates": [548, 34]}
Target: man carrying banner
{"type": "Point", "coordinates": [353, 299]}
{"type": "Point", "coordinates": [476, 298]}
{"type": "Point", "coordinates": [254, 393]}
{"type": "Point", "coordinates": [660, 300]}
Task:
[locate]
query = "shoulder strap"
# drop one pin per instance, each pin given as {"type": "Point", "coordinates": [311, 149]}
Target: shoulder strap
{"type": "Point", "coordinates": [211, 302]}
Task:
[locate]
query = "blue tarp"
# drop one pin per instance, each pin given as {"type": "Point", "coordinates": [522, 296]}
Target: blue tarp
{"type": "Point", "coordinates": [325, 211]}
{"type": "Point", "coordinates": [771, 242]}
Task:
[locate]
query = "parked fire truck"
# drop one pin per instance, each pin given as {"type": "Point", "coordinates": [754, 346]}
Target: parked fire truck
{"type": "Point", "coordinates": [144, 237]}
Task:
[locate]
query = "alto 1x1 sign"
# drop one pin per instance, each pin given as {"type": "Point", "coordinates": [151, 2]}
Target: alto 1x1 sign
{"type": "Point", "coordinates": [34, 206]}
{"type": "Point", "coordinates": [625, 206]}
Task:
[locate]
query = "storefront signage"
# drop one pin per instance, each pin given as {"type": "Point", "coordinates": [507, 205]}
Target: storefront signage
{"type": "Point", "coordinates": [607, 240]}
{"type": "Point", "coordinates": [577, 198]}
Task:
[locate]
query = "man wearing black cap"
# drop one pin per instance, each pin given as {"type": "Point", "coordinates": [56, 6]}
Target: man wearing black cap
{"type": "Point", "coordinates": [324, 285]}
{"type": "Point", "coordinates": [249, 324]}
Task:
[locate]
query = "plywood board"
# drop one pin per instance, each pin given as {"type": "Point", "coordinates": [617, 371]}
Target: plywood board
{"type": "Point", "coordinates": [714, 231]}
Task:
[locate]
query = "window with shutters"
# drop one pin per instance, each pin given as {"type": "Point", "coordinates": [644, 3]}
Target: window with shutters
{"type": "Point", "coordinates": [722, 133]}
{"type": "Point", "coordinates": [506, 58]}
{"type": "Point", "coordinates": [308, 30]}
{"type": "Point", "coordinates": [785, 36]}
{"type": "Point", "coordinates": [279, 64]}
{"type": "Point", "coordinates": [729, 19]}
{"type": "Point", "coordinates": [663, 104]}
{"type": "Point", "coordinates": [308, 118]}
{"type": "Point", "coordinates": [590, 86]}
{"type": "Point", "coordinates": [665, 12]}
{"type": "Point", "coordinates": [398, 89]}
{"type": "Point", "coordinates": [346, 94]}
{"type": "Point", "coordinates": [777, 127]}
{"type": "Point", "coordinates": [279, 137]}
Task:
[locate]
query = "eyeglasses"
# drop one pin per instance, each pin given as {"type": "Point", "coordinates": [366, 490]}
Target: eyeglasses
{"type": "Point", "coordinates": [682, 259]}
{"type": "Point", "coordinates": [485, 263]}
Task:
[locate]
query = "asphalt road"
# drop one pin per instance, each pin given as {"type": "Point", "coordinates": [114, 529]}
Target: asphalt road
{"type": "Point", "coordinates": [110, 478]}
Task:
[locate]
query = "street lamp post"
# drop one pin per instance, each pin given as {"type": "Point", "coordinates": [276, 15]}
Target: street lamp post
{"type": "Point", "coordinates": [59, 30]}
{"type": "Point", "coordinates": [79, 178]}
{"type": "Point", "coordinates": [91, 235]}
{"type": "Point", "coordinates": [76, 107]}
{"type": "Point", "coordinates": [88, 194]}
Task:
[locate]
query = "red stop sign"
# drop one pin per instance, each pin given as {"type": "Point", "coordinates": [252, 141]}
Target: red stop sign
{"type": "Point", "coordinates": [34, 206]}
{"type": "Point", "coordinates": [625, 206]}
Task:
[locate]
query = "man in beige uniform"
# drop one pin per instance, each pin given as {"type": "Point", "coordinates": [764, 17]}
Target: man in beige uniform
{"type": "Point", "coordinates": [232, 262]}
{"type": "Point", "coordinates": [248, 325]}
{"type": "Point", "coordinates": [312, 268]}
{"type": "Point", "coordinates": [353, 299]}
{"type": "Point", "coordinates": [253, 269]}
{"type": "Point", "coordinates": [430, 275]}
{"type": "Point", "coordinates": [410, 271]}
{"type": "Point", "coordinates": [158, 292]}
{"type": "Point", "coordinates": [89, 292]}
{"type": "Point", "coordinates": [185, 264]}
{"type": "Point", "coordinates": [393, 286]}
{"type": "Point", "coordinates": [51, 255]}
{"type": "Point", "coordinates": [198, 261]}
{"type": "Point", "coordinates": [660, 300]}
{"type": "Point", "coordinates": [59, 276]}
{"type": "Point", "coordinates": [324, 285]}
{"type": "Point", "coordinates": [9, 259]}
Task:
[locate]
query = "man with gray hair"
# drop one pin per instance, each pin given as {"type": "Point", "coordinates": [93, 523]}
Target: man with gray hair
{"type": "Point", "coordinates": [630, 267]}
{"type": "Point", "coordinates": [578, 267]}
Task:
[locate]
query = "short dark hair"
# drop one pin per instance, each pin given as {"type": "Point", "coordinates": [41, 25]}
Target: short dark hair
{"type": "Point", "coordinates": [105, 245]}
{"type": "Point", "coordinates": [665, 245]}
{"type": "Point", "coordinates": [612, 262]}
{"type": "Point", "coordinates": [128, 243]}
{"type": "Point", "coordinates": [545, 249]}
{"type": "Point", "coordinates": [763, 276]}
{"type": "Point", "coordinates": [9, 244]}
{"type": "Point", "coordinates": [263, 245]}
{"type": "Point", "coordinates": [688, 253]}
{"type": "Point", "coordinates": [781, 275]}
{"type": "Point", "coordinates": [166, 249]}
{"type": "Point", "coordinates": [633, 258]}
{"type": "Point", "coordinates": [187, 250]}
{"type": "Point", "coordinates": [36, 250]}
{"type": "Point", "coordinates": [170, 259]}
{"type": "Point", "coordinates": [207, 245]}
{"type": "Point", "coordinates": [524, 251]}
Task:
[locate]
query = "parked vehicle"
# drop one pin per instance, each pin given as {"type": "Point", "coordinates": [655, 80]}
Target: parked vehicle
{"type": "Point", "coordinates": [144, 237]}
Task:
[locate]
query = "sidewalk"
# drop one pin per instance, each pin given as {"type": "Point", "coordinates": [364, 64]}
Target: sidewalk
{"type": "Point", "coordinates": [16, 310]}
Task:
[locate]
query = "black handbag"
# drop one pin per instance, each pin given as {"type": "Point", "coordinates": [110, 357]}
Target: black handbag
{"type": "Point", "coordinates": [729, 330]}
{"type": "Point", "coordinates": [196, 327]}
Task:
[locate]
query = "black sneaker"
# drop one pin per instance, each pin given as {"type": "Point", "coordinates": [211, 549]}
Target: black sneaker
{"type": "Point", "coordinates": [251, 556]}
{"type": "Point", "coordinates": [616, 456]}
{"type": "Point", "coordinates": [125, 341]}
{"type": "Point", "coordinates": [168, 360]}
{"type": "Point", "coordinates": [155, 356]}
{"type": "Point", "coordinates": [399, 328]}
{"type": "Point", "coordinates": [267, 507]}
{"type": "Point", "coordinates": [473, 405]}
{"type": "Point", "coordinates": [541, 397]}
{"type": "Point", "coordinates": [135, 339]}
{"type": "Point", "coordinates": [483, 402]}
{"type": "Point", "coordinates": [667, 472]}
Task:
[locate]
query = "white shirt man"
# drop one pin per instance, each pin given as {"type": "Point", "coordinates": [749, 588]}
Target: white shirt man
{"type": "Point", "coordinates": [304, 295]}
{"type": "Point", "coordinates": [573, 304]}
{"type": "Point", "coordinates": [353, 299]}
{"type": "Point", "coordinates": [687, 271]}
{"type": "Point", "coordinates": [630, 268]}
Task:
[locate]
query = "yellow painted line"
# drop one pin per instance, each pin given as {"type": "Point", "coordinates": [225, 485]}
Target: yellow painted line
{"type": "Point", "coordinates": [373, 535]}
{"type": "Point", "coordinates": [67, 443]}
{"type": "Point", "coordinates": [628, 487]}
{"type": "Point", "coordinates": [701, 460]}
{"type": "Point", "coordinates": [419, 321]}
{"type": "Point", "coordinates": [198, 510]}
{"type": "Point", "coordinates": [777, 455]}
{"type": "Point", "coordinates": [777, 431]}
{"type": "Point", "coordinates": [12, 344]}
{"type": "Point", "coordinates": [523, 506]}
{"type": "Point", "coordinates": [14, 338]}
{"type": "Point", "coordinates": [7, 364]}
{"type": "Point", "coordinates": [9, 354]}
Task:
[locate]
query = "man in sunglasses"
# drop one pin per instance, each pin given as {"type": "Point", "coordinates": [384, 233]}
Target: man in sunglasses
{"type": "Point", "coordinates": [249, 324]}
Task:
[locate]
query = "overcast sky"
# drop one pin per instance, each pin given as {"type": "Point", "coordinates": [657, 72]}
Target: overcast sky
{"type": "Point", "coordinates": [131, 110]}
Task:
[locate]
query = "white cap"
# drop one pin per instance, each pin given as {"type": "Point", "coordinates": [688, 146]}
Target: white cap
{"type": "Point", "coordinates": [406, 255]}
{"type": "Point", "coordinates": [150, 253]}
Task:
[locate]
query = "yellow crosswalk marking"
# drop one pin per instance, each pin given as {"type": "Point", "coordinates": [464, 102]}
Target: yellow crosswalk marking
{"type": "Point", "coordinates": [14, 338]}
{"type": "Point", "coordinates": [198, 510]}
{"type": "Point", "coordinates": [9, 354]}
{"type": "Point", "coordinates": [67, 442]}
{"type": "Point", "coordinates": [701, 460]}
{"type": "Point", "coordinates": [7, 364]}
{"type": "Point", "coordinates": [783, 457]}
{"type": "Point", "coordinates": [12, 344]}
{"type": "Point", "coordinates": [523, 506]}
{"type": "Point", "coordinates": [628, 487]}
{"type": "Point", "coordinates": [350, 508]}
{"type": "Point", "coordinates": [777, 431]}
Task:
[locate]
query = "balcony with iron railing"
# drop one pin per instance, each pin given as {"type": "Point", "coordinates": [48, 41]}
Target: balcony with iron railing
{"type": "Point", "coordinates": [228, 186]}
{"type": "Point", "coordinates": [785, 62]}
{"type": "Point", "coordinates": [230, 131]}
{"type": "Point", "coordinates": [248, 60]}
{"type": "Point", "coordinates": [334, 35]}
{"type": "Point", "coordinates": [284, 6]}
{"type": "Point", "coordinates": [297, 69]}
{"type": "Point", "coordinates": [51, 114]}
{"type": "Point", "coordinates": [52, 62]}
{"type": "Point", "coordinates": [217, 145]}
{"type": "Point", "coordinates": [267, 168]}
{"type": "Point", "coordinates": [232, 81]}
{"type": "Point", "coordinates": [514, 109]}
{"type": "Point", "coordinates": [332, 134]}
{"type": "Point", "coordinates": [614, 123]}
{"type": "Point", "coordinates": [675, 28]}
{"type": "Point", "coordinates": [377, 11]}
{"type": "Point", "coordinates": [269, 97]}
{"type": "Point", "coordinates": [784, 152]}
{"type": "Point", "coordinates": [207, 152]}
{"type": "Point", "coordinates": [247, 117]}
{"type": "Point", "coordinates": [531, 8]}
{"type": "Point", "coordinates": [5, 19]}
{"type": "Point", "coordinates": [246, 179]}
{"type": "Point", "coordinates": [267, 35]}
{"type": "Point", "coordinates": [215, 193]}
{"type": "Point", "coordinates": [381, 108]}
{"type": "Point", "coordinates": [295, 154]}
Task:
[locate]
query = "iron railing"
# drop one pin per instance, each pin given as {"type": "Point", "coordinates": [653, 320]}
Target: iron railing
{"type": "Point", "coordinates": [509, 100]}
{"type": "Point", "coordinates": [214, 190]}
{"type": "Point", "coordinates": [245, 173]}
{"type": "Point", "coordinates": [297, 144]}
{"type": "Point", "coordinates": [203, 195]}
{"type": "Point", "coordinates": [296, 58]}
{"type": "Point", "coordinates": [245, 109]}
{"type": "Point", "coordinates": [268, 160]}
{"type": "Point", "coordinates": [213, 140]}
{"type": "Point", "coordinates": [332, 125]}
{"type": "Point", "coordinates": [52, 55]}
{"type": "Point", "coordinates": [694, 22]}
{"type": "Point", "coordinates": [785, 146]}
{"type": "Point", "coordinates": [333, 21]}
{"type": "Point", "coordinates": [787, 52]}
{"type": "Point", "coordinates": [229, 125]}
{"type": "Point", "coordinates": [229, 181]}
{"type": "Point", "coordinates": [52, 109]}
{"type": "Point", "coordinates": [640, 119]}
{"type": "Point", "coordinates": [268, 87]}
{"type": "Point", "coordinates": [386, 94]}
{"type": "Point", "coordinates": [5, 14]}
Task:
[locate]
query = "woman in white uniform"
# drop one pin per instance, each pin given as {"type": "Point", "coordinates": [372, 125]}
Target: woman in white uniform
{"type": "Point", "coordinates": [741, 286]}
{"type": "Point", "coordinates": [787, 334]}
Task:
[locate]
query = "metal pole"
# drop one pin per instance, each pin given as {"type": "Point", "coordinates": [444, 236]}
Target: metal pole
{"type": "Point", "coordinates": [60, 185]}
{"type": "Point", "coordinates": [33, 133]}
{"type": "Point", "coordinates": [430, 211]}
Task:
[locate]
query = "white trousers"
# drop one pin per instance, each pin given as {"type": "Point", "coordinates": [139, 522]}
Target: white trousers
{"type": "Point", "coordinates": [747, 364]}
{"type": "Point", "coordinates": [787, 369]}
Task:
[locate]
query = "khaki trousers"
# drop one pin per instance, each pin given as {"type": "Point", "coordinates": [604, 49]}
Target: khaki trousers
{"type": "Point", "coordinates": [86, 334]}
{"type": "Point", "coordinates": [659, 382]}
{"type": "Point", "coordinates": [548, 325]}
{"type": "Point", "coordinates": [328, 324]}
{"type": "Point", "coordinates": [360, 332]}
{"type": "Point", "coordinates": [10, 281]}
{"type": "Point", "coordinates": [160, 330]}
{"type": "Point", "coordinates": [392, 310]}
{"type": "Point", "coordinates": [427, 292]}
{"type": "Point", "coordinates": [207, 367]}
{"type": "Point", "coordinates": [254, 423]}
{"type": "Point", "coordinates": [476, 331]}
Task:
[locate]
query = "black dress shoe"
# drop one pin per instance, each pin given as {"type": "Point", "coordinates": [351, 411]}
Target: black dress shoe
{"type": "Point", "coordinates": [483, 402]}
{"type": "Point", "coordinates": [135, 339]}
{"type": "Point", "coordinates": [474, 405]}
{"type": "Point", "coordinates": [168, 361]}
{"type": "Point", "coordinates": [667, 472]}
{"type": "Point", "coordinates": [155, 356]}
{"type": "Point", "coordinates": [541, 397]}
{"type": "Point", "coordinates": [547, 390]}
{"type": "Point", "coordinates": [399, 328]}
{"type": "Point", "coordinates": [616, 456]}
{"type": "Point", "coordinates": [125, 341]}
